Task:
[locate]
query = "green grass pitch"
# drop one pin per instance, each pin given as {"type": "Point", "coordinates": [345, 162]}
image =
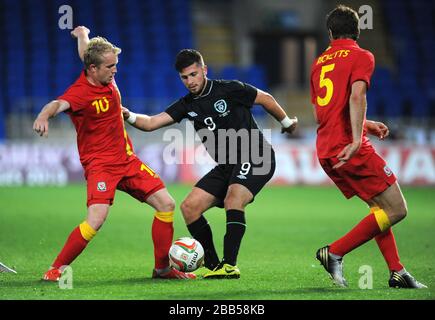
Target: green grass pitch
{"type": "Point", "coordinates": [286, 225]}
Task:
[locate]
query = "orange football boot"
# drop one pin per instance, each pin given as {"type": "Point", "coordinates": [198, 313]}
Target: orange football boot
{"type": "Point", "coordinates": [173, 274]}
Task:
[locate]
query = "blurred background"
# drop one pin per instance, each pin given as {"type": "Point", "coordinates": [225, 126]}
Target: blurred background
{"type": "Point", "coordinates": [269, 44]}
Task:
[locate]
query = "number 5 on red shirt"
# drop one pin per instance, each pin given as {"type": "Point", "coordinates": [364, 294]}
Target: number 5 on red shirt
{"type": "Point", "coordinates": [326, 82]}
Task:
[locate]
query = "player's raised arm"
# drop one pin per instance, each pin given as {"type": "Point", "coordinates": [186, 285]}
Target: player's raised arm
{"type": "Point", "coordinates": [82, 35]}
{"type": "Point", "coordinates": [272, 107]}
{"type": "Point", "coordinates": [147, 123]}
{"type": "Point", "coordinates": [50, 110]}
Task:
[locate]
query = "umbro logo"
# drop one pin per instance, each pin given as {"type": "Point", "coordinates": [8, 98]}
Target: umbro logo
{"type": "Point", "coordinates": [192, 114]}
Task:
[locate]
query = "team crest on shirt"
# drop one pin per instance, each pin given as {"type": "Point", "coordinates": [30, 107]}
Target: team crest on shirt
{"type": "Point", "coordinates": [388, 171]}
{"type": "Point", "coordinates": [220, 106]}
{"type": "Point", "coordinates": [101, 186]}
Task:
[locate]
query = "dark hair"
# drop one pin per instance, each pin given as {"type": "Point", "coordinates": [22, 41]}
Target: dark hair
{"type": "Point", "coordinates": [343, 23]}
{"type": "Point", "coordinates": [187, 57]}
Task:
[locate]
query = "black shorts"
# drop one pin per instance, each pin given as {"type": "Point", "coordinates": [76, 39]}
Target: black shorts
{"type": "Point", "coordinates": [252, 176]}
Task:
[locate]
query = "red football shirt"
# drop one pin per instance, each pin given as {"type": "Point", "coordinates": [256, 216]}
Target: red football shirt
{"type": "Point", "coordinates": [332, 76]}
{"type": "Point", "coordinates": [96, 114]}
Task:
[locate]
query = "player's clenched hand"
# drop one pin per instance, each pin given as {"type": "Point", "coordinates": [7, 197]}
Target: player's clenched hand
{"type": "Point", "coordinates": [292, 127]}
{"type": "Point", "coordinates": [41, 126]}
{"type": "Point", "coordinates": [377, 129]}
{"type": "Point", "coordinates": [125, 113]}
{"type": "Point", "coordinates": [80, 31]}
{"type": "Point", "coordinates": [347, 153]}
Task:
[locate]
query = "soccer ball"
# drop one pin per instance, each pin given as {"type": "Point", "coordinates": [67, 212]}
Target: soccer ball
{"type": "Point", "coordinates": [186, 254]}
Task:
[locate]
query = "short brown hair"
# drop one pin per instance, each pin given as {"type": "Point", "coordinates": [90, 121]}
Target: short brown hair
{"type": "Point", "coordinates": [96, 48]}
{"type": "Point", "coordinates": [343, 22]}
{"type": "Point", "coordinates": [187, 57]}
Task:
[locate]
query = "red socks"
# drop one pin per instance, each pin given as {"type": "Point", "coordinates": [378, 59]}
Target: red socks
{"type": "Point", "coordinates": [74, 245]}
{"type": "Point", "coordinates": [388, 247]}
{"type": "Point", "coordinates": [360, 234]}
{"type": "Point", "coordinates": [162, 234]}
{"type": "Point", "coordinates": [368, 228]}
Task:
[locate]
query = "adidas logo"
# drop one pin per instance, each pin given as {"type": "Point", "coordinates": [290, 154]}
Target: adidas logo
{"type": "Point", "coordinates": [192, 114]}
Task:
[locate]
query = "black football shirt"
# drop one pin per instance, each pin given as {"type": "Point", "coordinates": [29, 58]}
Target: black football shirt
{"type": "Point", "coordinates": [223, 120]}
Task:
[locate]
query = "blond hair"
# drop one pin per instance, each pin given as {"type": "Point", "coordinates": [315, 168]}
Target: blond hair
{"type": "Point", "coordinates": [96, 48]}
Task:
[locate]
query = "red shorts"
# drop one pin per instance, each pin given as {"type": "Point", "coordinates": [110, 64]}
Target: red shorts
{"type": "Point", "coordinates": [135, 178]}
{"type": "Point", "coordinates": [364, 175]}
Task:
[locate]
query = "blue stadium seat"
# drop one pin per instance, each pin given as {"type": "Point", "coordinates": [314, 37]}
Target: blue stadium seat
{"type": "Point", "coordinates": [40, 84]}
{"type": "Point", "coordinates": [419, 103]}
{"type": "Point", "coordinates": [2, 119]}
{"type": "Point", "coordinates": [372, 104]}
{"type": "Point", "coordinates": [41, 60]}
{"type": "Point", "coordinates": [413, 43]}
{"type": "Point", "coordinates": [211, 72]}
{"type": "Point", "coordinates": [229, 72]}
{"type": "Point", "coordinates": [382, 78]}
{"type": "Point", "coordinates": [393, 102]}
{"type": "Point", "coordinates": [177, 88]}
{"type": "Point", "coordinates": [255, 75]}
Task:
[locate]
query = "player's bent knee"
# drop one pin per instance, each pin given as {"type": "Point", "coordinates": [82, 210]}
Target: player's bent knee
{"type": "Point", "coordinates": [96, 222]}
{"type": "Point", "coordinates": [97, 215]}
{"type": "Point", "coordinates": [167, 205]}
{"type": "Point", "coordinates": [231, 202]}
{"type": "Point", "coordinates": [398, 215]}
{"type": "Point", "coordinates": [402, 213]}
{"type": "Point", "coordinates": [188, 209]}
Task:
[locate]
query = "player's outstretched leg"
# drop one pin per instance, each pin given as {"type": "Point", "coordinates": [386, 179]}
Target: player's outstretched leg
{"type": "Point", "coordinates": [393, 201]}
{"type": "Point", "coordinates": [75, 244]}
{"type": "Point", "coordinates": [201, 231]}
{"type": "Point", "coordinates": [333, 265]}
{"type": "Point", "coordinates": [399, 277]}
{"type": "Point", "coordinates": [237, 198]}
{"type": "Point", "coordinates": [193, 207]}
{"type": "Point", "coordinates": [162, 235]}
{"type": "Point", "coordinates": [236, 226]}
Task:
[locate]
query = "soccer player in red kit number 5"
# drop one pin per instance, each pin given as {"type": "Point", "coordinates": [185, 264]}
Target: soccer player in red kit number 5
{"type": "Point", "coordinates": [93, 103]}
{"type": "Point", "coordinates": [340, 77]}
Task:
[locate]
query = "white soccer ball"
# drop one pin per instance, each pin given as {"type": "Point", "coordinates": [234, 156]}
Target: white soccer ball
{"type": "Point", "coordinates": [186, 254]}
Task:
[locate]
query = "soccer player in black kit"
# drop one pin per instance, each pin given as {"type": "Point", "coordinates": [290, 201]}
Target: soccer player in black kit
{"type": "Point", "coordinates": [221, 114]}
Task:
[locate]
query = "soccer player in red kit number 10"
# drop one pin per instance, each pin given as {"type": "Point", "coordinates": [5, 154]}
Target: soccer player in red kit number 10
{"type": "Point", "coordinates": [340, 77]}
{"type": "Point", "coordinates": [93, 103]}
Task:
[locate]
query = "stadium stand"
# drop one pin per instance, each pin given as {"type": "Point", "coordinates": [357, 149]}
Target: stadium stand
{"type": "Point", "coordinates": [409, 90]}
{"type": "Point", "coordinates": [40, 60]}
